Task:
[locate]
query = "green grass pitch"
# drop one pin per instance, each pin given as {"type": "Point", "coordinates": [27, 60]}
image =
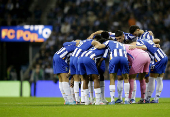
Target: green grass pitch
{"type": "Point", "coordinates": [54, 107]}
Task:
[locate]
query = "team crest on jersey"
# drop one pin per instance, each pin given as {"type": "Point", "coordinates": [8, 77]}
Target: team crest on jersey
{"type": "Point", "coordinates": [66, 68]}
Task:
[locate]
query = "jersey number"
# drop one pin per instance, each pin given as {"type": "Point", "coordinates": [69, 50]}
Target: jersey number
{"type": "Point", "coordinates": [118, 44]}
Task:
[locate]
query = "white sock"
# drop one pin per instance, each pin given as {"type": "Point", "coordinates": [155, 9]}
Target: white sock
{"type": "Point", "coordinates": [134, 90]}
{"type": "Point", "coordinates": [120, 88]}
{"type": "Point", "coordinates": [146, 90]}
{"type": "Point", "coordinates": [62, 92]}
{"type": "Point", "coordinates": [72, 92]}
{"type": "Point", "coordinates": [112, 92]}
{"type": "Point", "coordinates": [82, 93]}
{"type": "Point", "coordinates": [90, 86]}
{"type": "Point", "coordinates": [97, 94]}
{"type": "Point", "coordinates": [76, 90]}
{"type": "Point", "coordinates": [67, 91]}
{"type": "Point", "coordinates": [159, 87]}
{"type": "Point", "coordinates": [151, 87]}
{"type": "Point", "coordinates": [102, 87]}
{"type": "Point", "coordinates": [126, 89]}
{"type": "Point", "coordinates": [86, 93]}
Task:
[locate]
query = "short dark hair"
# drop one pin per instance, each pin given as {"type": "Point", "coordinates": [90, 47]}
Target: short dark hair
{"type": "Point", "coordinates": [133, 28]}
{"type": "Point", "coordinates": [97, 37]}
{"type": "Point", "coordinates": [102, 40]}
{"type": "Point", "coordinates": [118, 33]}
{"type": "Point", "coordinates": [128, 41]}
{"type": "Point", "coordinates": [105, 34]}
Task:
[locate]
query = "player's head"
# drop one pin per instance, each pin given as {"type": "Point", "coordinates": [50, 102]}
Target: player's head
{"type": "Point", "coordinates": [128, 42]}
{"type": "Point", "coordinates": [102, 40]}
{"type": "Point", "coordinates": [119, 36]}
{"type": "Point", "coordinates": [105, 35]}
{"type": "Point", "coordinates": [135, 30]}
{"type": "Point", "coordinates": [97, 37]}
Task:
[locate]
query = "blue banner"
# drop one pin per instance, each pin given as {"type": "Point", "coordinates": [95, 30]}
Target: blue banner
{"type": "Point", "coordinates": [26, 33]}
{"type": "Point", "coordinates": [50, 89]}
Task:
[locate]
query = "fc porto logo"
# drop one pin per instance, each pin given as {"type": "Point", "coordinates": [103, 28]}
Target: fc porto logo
{"type": "Point", "coordinates": [66, 68]}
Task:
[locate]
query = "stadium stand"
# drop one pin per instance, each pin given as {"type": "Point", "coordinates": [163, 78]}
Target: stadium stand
{"type": "Point", "coordinates": [116, 15]}
{"type": "Point", "coordinates": [65, 17]}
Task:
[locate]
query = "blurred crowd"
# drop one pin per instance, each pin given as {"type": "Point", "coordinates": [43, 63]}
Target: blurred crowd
{"type": "Point", "coordinates": [14, 12]}
{"type": "Point", "coordinates": [77, 19]}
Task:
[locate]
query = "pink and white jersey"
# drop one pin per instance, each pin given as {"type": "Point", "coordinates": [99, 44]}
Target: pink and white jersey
{"type": "Point", "coordinates": [132, 54]}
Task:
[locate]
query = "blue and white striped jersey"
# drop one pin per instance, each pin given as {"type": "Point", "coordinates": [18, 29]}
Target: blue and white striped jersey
{"type": "Point", "coordinates": [95, 53]}
{"type": "Point", "coordinates": [156, 54]}
{"type": "Point", "coordinates": [83, 46]}
{"type": "Point", "coordinates": [69, 43]}
{"type": "Point", "coordinates": [66, 51]}
{"type": "Point", "coordinates": [128, 36]}
{"type": "Point", "coordinates": [146, 35]}
{"type": "Point", "coordinates": [116, 49]}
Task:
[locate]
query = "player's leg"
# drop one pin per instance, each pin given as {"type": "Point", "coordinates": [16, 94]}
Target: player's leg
{"type": "Point", "coordinates": [102, 82]}
{"type": "Point", "coordinates": [102, 87]}
{"type": "Point", "coordinates": [131, 82]}
{"type": "Point", "coordinates": [90, 67]}
{"type": "Point", "coordinates": [82, 71]}
{"type": "Point", "coordinates": [112, 87]}
{"type": "Point", "coordinates": [90, 86]}
{"type": "Point", "coordinates": [76, 87]}
{"type": "Point", "coordinates": [61, 69]}
{"type": "Point", "coordinates": [76, 79]}
{"type": "Point", "coordinates": [113, 69]}
{"type": "Point", "coordinates": [119, 87]}
{"type": "Point", "coordinates": [82, 92]}
{"type": "Point", "coordinates": [146, 81]}
{"type": "Point", "coordinates": [159, 88]}
{"type": "Point", "coordinates": [72, 86]}
{"type": "Point", "coordinates": [62, 90]}
{"type": "Point", "coordinates": [141, 65]}
{"type": "Point", "coordinates": [97, 89]}
{"type": "Point", "coordinates": [142, 87]}
{"type": "Point", "coordinates": [85, 87]}
{"type": "Point", "coordinates": [151, 85]}
{"type": "Point", "coordinates": [66, 87]}
{"type": "Point", "coordinates": [134, 91]}
{"type": "Point", "coordinates": [126, 88]}
{"type": "Point", "coordinates": [92, 70]}
{"type": "Point", "coordinates": [73, 72]}
{"type": "Point", "coordinates": [157, 72]}
{"type": "Point", "coordinates": [124, 67]}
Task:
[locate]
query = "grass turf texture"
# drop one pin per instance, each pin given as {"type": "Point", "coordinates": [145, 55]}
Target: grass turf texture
{"type": "Point", "coordinates": [54, 107]}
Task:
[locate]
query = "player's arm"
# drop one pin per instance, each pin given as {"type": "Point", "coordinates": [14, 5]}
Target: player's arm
{"type": "Point", "coordinates": [157, 45]}
{"type": "Point", "coordinates": [99, 62]}
{"type": "Point", "coordinates": [151, 33]}
{"type": "Point", "coordinates": [69, 43]}
{"type": "Point", "coordinates": [77, 42]}
{"type": "Point", "coordinates": [95, 33]}
{"type": "Point", "coordinates": [98, 45]}
{"type": "Point", "coordinates": [132, 47]}
{"type": "Point", "coordinates": [104, 57]}
{"type": "Point", "coordinates": [69, 74]}
{"type": "Point", "coordinates": [139, 44]}
{"type": "Point", "coordinates": [156, 41]}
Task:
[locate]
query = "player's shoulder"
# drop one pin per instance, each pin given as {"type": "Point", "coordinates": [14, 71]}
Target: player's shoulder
{"type": "Point", "coordinates": [129, 36]}
{"type": "Point", "coordinates": [107, 42]}
{"type": "Point", "coordinates": [111, 34]}
{"type": "Point", "coordinates": [141, 40]}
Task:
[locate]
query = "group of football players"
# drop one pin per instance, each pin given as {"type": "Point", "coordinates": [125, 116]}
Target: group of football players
{"type": "Point", "coordinates": [131, 55]}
